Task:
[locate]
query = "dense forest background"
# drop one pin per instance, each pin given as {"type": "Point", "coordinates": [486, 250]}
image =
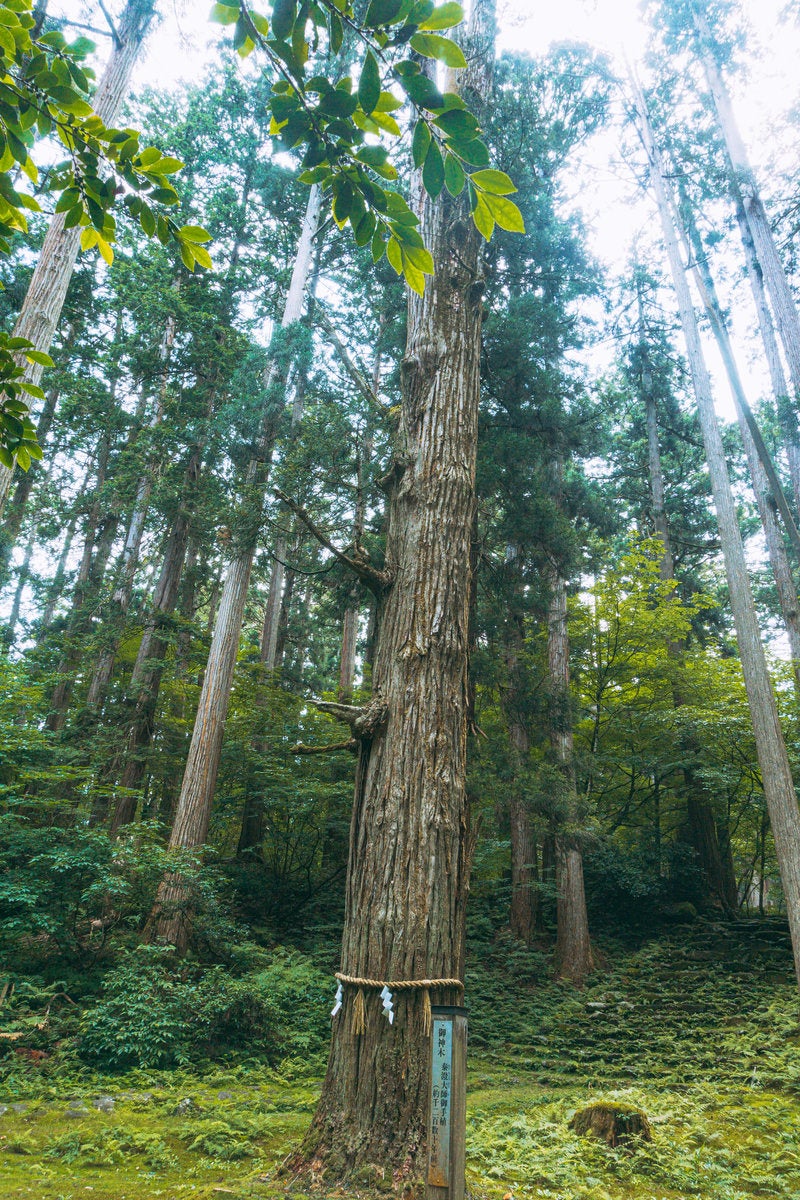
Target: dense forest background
{"type": "Point", "coordinates": [172, 886]}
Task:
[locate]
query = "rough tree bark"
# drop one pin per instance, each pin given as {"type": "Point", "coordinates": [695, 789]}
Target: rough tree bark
{"type": "Point", "coordinates": [47, 290]}
{"type": "Point", "coordinates": [773, 760]}
{"type": "Point", "coordinates": [169, 920]}
{"type": "Point", "coordinates": [408, 869]}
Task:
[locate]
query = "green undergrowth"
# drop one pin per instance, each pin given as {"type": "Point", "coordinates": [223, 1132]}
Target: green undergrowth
{"type": "Point", "coordinates": [698, 1029]}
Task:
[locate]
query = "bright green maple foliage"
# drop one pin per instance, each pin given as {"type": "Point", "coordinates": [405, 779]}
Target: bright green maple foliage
{"type": "Point", "coordinates": [341, 127]}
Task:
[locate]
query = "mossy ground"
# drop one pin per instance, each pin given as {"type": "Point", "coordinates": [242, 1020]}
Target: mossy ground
{"type": "Point", "coordinates": [699, 1030]}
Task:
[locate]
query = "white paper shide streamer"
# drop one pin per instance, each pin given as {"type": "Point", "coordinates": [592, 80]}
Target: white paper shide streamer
{"type": "Point", "coordinates": [337, 1008]}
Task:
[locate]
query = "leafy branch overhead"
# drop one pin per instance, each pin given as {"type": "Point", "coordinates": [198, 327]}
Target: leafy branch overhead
{"type": "Point", "coordinates": [45, 90]}
{"type": "Point", "coordinates": [341, 127]}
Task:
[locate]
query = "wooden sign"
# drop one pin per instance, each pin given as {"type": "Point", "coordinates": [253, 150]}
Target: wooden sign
{"type": "Point", "coordinates": [447, 1118]}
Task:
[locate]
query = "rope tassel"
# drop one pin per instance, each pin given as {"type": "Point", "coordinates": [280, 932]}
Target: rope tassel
{"type": "Point", "coordinates": [427, 1018]}
{"type": "Point", "coordinates": [359, 1016]}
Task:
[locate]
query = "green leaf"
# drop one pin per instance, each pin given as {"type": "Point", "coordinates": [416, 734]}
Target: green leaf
{"type": "Point", "coordinates": [413, 277]}
{"type": "Point", "coordinates": [365, 229]}
{"type": "Point", "coordinates": [454, 177]}
{"type": "Point", "coordinates": [194, 233]}
{"type": "Point", "coordinates": [444, 17]}
{"type": "Point", "coordinates": [420, 143]}
{"type": "Point", "coordinates": [386, 121]}
{"type": "Point", "coordinates": [39, 356]}
{"type": "Point", "coordinates": [505, 213]}
{"type": "Point", "coordinates": [373, 156]}
{"type": "Point", "coordinates": [225, 14]}
{"type": "Point", "coordinates": [343, 201]}
{"type": "Point", "coordinates": [430, 45]}
{"type": "Point", "coordinates": [423, 91]}
{"type": "Point", "coordinates": [23, 458]}
{"type": "Point", "coordinates": [284, 13]}
{"type": "Point", "coordinates": [187, 256]}
{"type": "Point", "coordinates": [335, 32]}
{"type": "Point", "coordinates": [167, 166]}
{"type": "Point", "coordinates": [382, 12]}
{"type": "Point", "coordinates": [395, 255]}
{"type": "Point", "coordinates": [473, 152]}
{"type": "Point", "coordinates": [457, 122]}
{"type": "Point", "coordinates": [378, 245]}
{"type": "Point", "coordinates": [420, 257]}
{"type": "Point", "coordinates": [202, 257]}
{"type": "Point", "coordinates": [369, 85]}
{"type": "Point", "coordinates": [484, 221]}
{"type": "Point", "coordinates": [433, 170]}
{"type": "Point", "coordinates": [388, 102]}
{"type": "Point", "coordinates": [495, 182]}
{"type": "Point", "coordinates": [6, 457]}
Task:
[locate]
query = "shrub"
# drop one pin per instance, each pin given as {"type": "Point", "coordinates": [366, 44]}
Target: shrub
{"type": "Point", "coordinates": [156, 1012]}
{"type": "Point", "coordinates": [145, 1015]}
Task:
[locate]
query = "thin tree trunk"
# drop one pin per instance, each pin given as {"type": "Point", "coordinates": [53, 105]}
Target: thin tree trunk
{"type": "Point", "coordinates": [522, 913]}
{"type": "Point", "coordinates": [272, 612]}
{"type": "Point", "coordinates": [573, 957]}
{"type": "Point", "coordinates": [19, 500]}
{"type": "Point", "coordinates": [766, 252]}
{"type": "Point", "coordinates": [763, 486]}
{"type": "Point", "coordinates": [347, 657]}
{"type": "Point", "coordinates": [771, 749]}
{"type": "Point", "coordinates": [62, 692]}
{"type": "Point", "coordinates": [22, 579]}
{"type": "Point", "coordinates": [701, 822]}
{"type": "Point", "coordinates": [772, 487]}
{"type": "Point", "coordinates": [47, 290]}
{"type": "Point", "coordinates": [123, 590]}
{"type": "Point", "coordinates": [56, 585]}
{"type": "Point", "coordinates": [787, 415]}
{"type": "Point", "coordinates": [149, 666]}
{"type": "Point", "coordinates": [169, 921]}
{"type": "Point", "coordinates": [408, 869]}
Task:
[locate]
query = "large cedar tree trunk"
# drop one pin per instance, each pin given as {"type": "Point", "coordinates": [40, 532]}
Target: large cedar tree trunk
{"type": "Point", "coordinates": [408, 869]}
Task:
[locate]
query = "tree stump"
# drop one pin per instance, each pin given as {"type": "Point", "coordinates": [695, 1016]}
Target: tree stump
{"type": "Point", "coordinates": [618, 1124]}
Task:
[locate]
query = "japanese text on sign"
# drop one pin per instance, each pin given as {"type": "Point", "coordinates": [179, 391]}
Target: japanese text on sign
{"type": "Point", "coordinates": [441, 1084]}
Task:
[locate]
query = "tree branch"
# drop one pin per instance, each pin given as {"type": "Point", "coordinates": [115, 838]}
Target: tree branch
{"type": "Point", "coordinates": [111, 25]}
{"type": "Point", "coordinates": [364, 722]}
{"type": "Point", "coordinates": [377, 581]}
{"type": "Point", "coordinates": [358, 377]}
{"type": "Point", "coordinates": [351, 744]}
